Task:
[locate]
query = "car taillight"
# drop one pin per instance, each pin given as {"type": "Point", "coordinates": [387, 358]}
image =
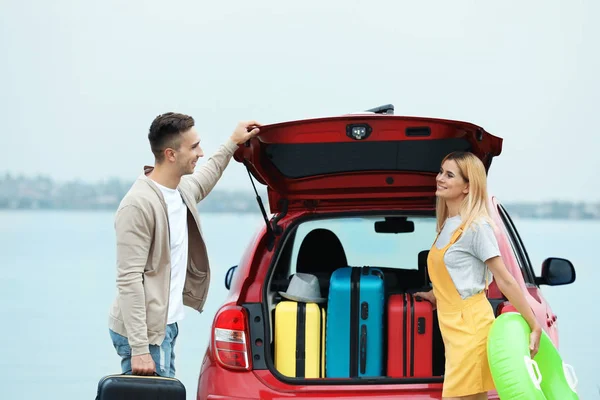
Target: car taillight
{"type": "Point", "coordinates": [231, 338]}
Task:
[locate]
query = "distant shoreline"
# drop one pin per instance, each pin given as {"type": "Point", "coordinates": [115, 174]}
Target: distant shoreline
{"type": "Point", "coordinates": [514, 215]}
{"type": "Point", "coordinates": [515, 211]}
{"type": "Point", "coordinates": [43, 193]}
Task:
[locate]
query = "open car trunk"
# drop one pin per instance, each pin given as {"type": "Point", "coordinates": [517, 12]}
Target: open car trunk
{"type": "Point", "coordinates": [358, 161]}
{"type": "Point", "coordinates": [404, 340]}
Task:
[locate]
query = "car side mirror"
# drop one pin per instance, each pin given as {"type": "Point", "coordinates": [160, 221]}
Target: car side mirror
{"type": "Point", "coordinates": [556, 271]}
{"type": "Point", "coordinates": [229, 277]}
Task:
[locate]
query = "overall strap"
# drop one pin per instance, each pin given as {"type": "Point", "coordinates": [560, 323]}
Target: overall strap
{"type": "Point", "coordinates": [457, 233]}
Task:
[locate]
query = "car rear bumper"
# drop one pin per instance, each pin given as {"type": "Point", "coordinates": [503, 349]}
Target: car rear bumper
{"type": "Point", "coordinates": [219, 383]}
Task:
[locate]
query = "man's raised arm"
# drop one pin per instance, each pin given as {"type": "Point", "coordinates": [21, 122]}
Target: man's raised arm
{"type": "Point", "coordinates": [206, 177]}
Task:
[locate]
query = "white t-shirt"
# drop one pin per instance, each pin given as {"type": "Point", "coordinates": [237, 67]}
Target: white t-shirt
{"type": "Point", "coordinates": [178, 229]}
{"type": "Point", "coordinates": [465, 259]}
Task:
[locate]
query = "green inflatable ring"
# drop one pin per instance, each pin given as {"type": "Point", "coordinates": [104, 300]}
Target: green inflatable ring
{"type": "Point", "coordinates": [516, 376]}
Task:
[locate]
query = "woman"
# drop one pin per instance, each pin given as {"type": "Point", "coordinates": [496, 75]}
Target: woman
{"type": "Point", "coordinates": [458, 262]}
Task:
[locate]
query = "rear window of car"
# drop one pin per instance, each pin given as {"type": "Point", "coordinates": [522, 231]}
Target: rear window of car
{"type": "Point", "coordinates": [366, 247]}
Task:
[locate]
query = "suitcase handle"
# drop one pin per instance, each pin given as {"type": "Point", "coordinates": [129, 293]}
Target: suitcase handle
{"type": "Point", "coordinates": [363, 349]}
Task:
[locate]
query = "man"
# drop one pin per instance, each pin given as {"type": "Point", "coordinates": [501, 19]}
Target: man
{"type": "Point", "coordinates": [162, 262]}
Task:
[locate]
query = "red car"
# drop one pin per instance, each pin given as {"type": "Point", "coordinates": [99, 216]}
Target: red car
{"type": "Point", "coordinates": [351, 190]}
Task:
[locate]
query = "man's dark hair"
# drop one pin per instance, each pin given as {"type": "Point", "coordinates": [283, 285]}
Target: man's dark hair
{"type": "Point", "coordinates": [165, 132]}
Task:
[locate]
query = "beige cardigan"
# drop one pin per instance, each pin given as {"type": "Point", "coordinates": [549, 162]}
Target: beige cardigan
{"type": "Point", "coordinates": [143, 254]}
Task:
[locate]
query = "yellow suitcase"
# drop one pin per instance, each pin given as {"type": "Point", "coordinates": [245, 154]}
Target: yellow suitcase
{"type": "Point", "coordinates": [300, 352]}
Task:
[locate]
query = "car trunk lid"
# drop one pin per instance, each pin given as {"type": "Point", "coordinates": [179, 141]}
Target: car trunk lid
{"type": "Point", "coordinates": [354, 162]}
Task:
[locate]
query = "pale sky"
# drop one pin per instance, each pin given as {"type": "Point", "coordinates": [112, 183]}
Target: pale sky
{"type": "Point", "coordinates": [81, 81]}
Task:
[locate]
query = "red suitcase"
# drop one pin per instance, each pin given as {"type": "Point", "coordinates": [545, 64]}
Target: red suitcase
{"type": "Point", "coordinates": [410, 337]}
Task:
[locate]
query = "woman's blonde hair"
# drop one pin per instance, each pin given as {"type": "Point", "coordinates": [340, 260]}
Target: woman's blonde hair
{"type": "Point", "coordinates": [475, 204]}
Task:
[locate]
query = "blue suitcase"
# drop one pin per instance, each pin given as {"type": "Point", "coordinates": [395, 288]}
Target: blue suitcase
{"type": "Point", "coordinates": [354, 334]}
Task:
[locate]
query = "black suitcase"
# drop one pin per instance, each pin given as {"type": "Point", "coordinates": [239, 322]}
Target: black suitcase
{"type": "Point", "coordinates": [137, 387]}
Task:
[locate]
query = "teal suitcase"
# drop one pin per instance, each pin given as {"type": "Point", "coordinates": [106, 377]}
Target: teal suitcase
{"type": "Point", "coordinates": [355, 323]}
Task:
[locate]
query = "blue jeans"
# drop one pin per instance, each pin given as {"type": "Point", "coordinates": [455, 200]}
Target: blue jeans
{"type": "Point", "coordinates": [163, 355]}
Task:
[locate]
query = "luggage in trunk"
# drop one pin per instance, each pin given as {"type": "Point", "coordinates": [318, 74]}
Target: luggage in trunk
{"type": "Point", "coordinates": [299, 339]}
{"type": "Point", "coordinates": [134, 387]}
{"type": "Point", "coordinates": [354, 334]}
{"type": "Point", "coordinates": [409, 337]}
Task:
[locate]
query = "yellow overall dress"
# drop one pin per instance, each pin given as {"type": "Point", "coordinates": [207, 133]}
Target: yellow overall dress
{"type": "Point", "coordinates": [464, 325]}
